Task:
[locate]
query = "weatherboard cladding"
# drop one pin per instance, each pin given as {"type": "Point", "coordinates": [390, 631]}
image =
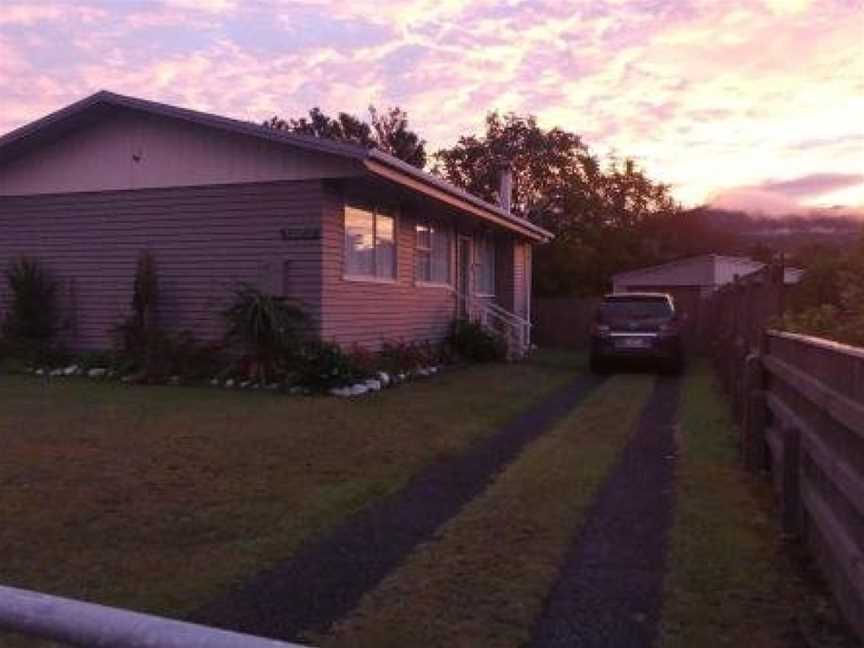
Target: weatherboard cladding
{"type": "Point", "coordinates": [369, 313]}
{"type": "Point", "coordinates": [205, 240]}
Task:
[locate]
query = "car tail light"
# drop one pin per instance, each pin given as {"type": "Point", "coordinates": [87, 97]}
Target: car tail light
{"type": "Point", "coordinates": [601, 329]}
{"type": "Point", "coordinates": [668, 328]}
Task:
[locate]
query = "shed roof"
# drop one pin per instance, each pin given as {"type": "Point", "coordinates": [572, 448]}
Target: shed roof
{"type": "Point", "coordinates": [376, 162]}
{"type": "Point", "coordinates": [707, 270]}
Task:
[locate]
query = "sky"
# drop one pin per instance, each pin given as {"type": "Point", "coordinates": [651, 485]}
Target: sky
{"type": "Point", "coordinates": [750, 104]}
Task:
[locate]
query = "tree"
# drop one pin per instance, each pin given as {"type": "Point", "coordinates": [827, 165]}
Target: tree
{"type": "Point", "coordinates": [388, 131]}
{"type": "Point", "coordinates": [606, 217]}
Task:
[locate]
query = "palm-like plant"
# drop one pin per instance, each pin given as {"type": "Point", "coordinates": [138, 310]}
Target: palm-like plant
{"type": "Point", "coordinates": [268, 329]}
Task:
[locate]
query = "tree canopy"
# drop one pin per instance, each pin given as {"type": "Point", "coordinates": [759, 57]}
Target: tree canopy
{"type": "Point", "coordinates": [387, 131]}
{"type": "Point", "coordinates": [606, 216]}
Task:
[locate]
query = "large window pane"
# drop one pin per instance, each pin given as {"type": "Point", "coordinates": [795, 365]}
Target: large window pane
{"type": "Point", "coordinates": [359, 242]}
{"type": "Point", "coordinates": [440, 262]}
{"type": "Point", "coordinates": [385, 247]}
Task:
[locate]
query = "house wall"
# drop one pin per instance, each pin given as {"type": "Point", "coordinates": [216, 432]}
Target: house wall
{"type": "Point", "coordinates": [205, 239]}
{"type": "Point", "coordinates": [169, 153]}
{"type": "Point", "coordinates": [369, 313]}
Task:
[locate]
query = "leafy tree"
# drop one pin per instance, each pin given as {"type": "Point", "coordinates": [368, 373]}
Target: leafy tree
{"type": "Point", "coordinates": [606, 217]}
{"type": "Point", "coordinates": [829, 300]}
{"type": "Point", "coordinates": [387, 131]}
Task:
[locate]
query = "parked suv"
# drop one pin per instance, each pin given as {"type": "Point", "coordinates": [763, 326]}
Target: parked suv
{"type": "Point", "coordinates": [636, 327]}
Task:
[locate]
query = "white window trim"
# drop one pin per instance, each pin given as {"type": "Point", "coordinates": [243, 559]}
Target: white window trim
{"type": "Point", "coordinates": [375, 279]}
{"type": "Point", "coordinates": [423, 283]}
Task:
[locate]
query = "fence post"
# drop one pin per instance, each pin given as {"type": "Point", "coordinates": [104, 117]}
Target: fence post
{"type": "Point", "coordinates": [755, 415]}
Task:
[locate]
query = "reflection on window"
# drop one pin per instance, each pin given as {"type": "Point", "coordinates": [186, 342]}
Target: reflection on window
{"type": "Point", "coordinates": [370, 243]}
{"type": "Point", "coordinates": [486, 266]}
{"type": "Point", "coordinates": [433, 253]}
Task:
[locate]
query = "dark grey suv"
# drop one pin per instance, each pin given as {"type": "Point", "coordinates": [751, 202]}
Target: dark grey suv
{"type": "Point", "coordinates": [638, 328]}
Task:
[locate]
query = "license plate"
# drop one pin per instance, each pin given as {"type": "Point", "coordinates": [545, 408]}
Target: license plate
{"type": "Point", "coordinates": [632, 343]}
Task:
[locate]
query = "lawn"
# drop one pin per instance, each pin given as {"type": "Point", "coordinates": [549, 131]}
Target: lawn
{"type": "Point", "coordinates": [159, 498]}
{"type": "Point", "coordinates": [733, 580]}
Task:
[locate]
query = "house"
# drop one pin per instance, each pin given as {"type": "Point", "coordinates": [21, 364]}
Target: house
{"type": "Point", "coordinates": [691, 281]}
{"type": "Point", "coordinates": [375, 249]}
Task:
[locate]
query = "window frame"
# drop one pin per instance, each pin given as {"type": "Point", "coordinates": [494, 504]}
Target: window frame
{"type": "Point", "coordinates": [432, 226]}
{"type": "Point", "coordinates": [376, 211]}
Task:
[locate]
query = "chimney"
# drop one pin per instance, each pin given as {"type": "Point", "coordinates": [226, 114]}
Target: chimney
{"type": "Point", "coordinates": [505, 185]}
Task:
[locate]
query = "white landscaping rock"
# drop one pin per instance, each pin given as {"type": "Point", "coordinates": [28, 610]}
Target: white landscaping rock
{"type": "Point", "coordinates": [214, 382]}
{"type": "Point", "coordinates": [56, 373]}
{"type": "Point", "coordinates": [358, 389]}
{"type": "Point", "coordinates": [40, 372]}
{"type": "Point", "coordinates": [342, 392]}
{"type": "Point", "coordinates": [97, 372]}
{"type": "Point", "coordinates": [384, 378]}
{"type": "Point", "coordinates": [229, 383]}
{"type": "Point", "coordinates": [71, 370]}
{"type": "Point", "coordinates": [373, 385]}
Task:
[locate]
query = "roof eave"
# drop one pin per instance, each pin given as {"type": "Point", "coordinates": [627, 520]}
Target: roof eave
{"type": "Point", "coordinates": [387, 167]}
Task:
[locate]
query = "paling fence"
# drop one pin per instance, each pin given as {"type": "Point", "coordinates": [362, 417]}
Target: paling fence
{"type": "Point", "coordinates": [798, 402]}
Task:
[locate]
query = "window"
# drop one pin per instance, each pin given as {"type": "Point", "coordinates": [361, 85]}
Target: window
{"type": "Point", "coordinates": [370, 243]}
{"type": "Point", "coordinates": [433, 254]}
{"type": "Point", "coordinates": [485, 266]}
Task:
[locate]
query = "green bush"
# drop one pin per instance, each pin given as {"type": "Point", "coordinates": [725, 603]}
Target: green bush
{"type": "Point", "coordinates": [323, 365]}
{"type": "Point", "coordinates": [267, 330]}
{"type": "Point", "coordinates": [33, 319]}
{"type": "Point", "coordinates": [473, 342]}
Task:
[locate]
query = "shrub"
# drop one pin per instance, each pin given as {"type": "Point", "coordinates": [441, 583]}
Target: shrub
{"type": "Point", "coordinates": [141, 343]}
{"type": "Point", "coordinates": [408, 356]}
{"type": "Point", "coordinates": [33, 320]}
{"type": "Point", "coordinates": [473, 342]}
{"type": "Point", "coordinates": [265, 328]}
{"type": "Point", "coordinates": [323, 365]}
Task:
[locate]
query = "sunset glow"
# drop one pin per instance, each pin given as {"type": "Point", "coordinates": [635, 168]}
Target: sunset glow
{"type": "Point", "coordinates": [755, 104]}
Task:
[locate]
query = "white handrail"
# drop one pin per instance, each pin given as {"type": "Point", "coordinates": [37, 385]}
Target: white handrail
{"type": "Point", "coordinates": [78, 623]}
{"type": "Point", "coordinates": [518, 329]}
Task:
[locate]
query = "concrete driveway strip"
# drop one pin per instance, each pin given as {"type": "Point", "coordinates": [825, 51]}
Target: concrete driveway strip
{"type": "Point", "coordinates": [609, 592]}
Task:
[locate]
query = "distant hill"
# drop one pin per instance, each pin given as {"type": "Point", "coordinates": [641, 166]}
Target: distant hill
{"type": "Point", "coordinates": [740, 232]}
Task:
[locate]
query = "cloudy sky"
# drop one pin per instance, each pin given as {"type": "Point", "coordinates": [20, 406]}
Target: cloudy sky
{"type": "Point", "coordinates": [745, 103]}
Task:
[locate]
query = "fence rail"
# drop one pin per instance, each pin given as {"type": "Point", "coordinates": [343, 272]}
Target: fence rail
{"type": "Point", "coordinates": [76, 623]}
{"type": "Point", "coordinates": [799, 405]}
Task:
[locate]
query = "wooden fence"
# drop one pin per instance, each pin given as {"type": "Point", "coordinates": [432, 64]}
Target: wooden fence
{"type": "Point", "coordinates": [563, 322]}
{"type": "Point", "coordinates": [799, 405]}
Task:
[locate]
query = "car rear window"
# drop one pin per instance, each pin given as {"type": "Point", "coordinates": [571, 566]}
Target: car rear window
{"type": "Point", "coordinates": [617, 309]}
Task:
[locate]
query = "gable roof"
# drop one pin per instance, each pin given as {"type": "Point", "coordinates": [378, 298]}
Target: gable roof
{"type": "Point", "coordinates": [378, 163]}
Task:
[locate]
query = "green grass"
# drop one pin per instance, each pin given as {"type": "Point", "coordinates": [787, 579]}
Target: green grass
{"type": "Point", "coordinates": [483, 579]}
{"type": "Point", "coordinates": [732, 581]}
{"type": "Point", "coordinates": [159, 498]}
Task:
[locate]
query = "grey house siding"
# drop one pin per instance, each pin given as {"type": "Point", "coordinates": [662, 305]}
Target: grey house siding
{"type": "Point", "coordinates": [205, 240]}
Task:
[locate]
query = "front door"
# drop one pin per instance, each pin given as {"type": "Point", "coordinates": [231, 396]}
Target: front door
{"type": "Point", "coordinates": [463, 275]}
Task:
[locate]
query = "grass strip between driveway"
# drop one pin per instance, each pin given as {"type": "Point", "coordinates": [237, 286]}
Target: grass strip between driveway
{"type": "Point", "coordinates": [483, 580]}
{"type": "Point", "coordinates": [732, 580]}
